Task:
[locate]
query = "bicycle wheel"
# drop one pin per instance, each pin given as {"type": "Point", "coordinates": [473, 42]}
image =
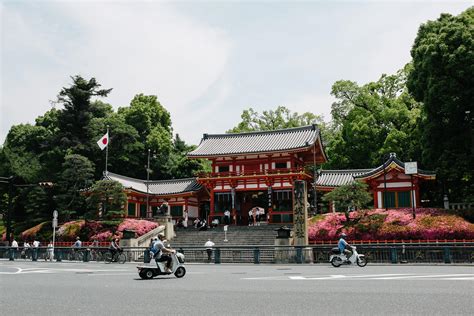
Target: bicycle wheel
{"type": "Point", "coordinates": [121, 258]}
{"type": "Point", "coordinates": [108, 257]}
{"type": "Point", "coordinates": [79, 256]}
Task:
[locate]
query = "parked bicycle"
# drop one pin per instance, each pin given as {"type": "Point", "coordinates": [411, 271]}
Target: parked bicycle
{"type": "Point", "coordinates": [75, 255]}
{"type": "Point", "coordinates": [119, 257]}
{"type": "Point", "coordinates": [96, 254]}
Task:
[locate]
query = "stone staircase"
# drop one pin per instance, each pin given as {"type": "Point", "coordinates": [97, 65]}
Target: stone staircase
{"type": "Point", "coordinates": [263, 235]}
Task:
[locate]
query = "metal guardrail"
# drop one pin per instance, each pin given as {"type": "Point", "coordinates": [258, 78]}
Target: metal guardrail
{"type": "Point", "coordinates": [316, 254]}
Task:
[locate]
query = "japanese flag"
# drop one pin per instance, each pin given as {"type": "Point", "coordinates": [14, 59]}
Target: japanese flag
{"type": "Point", "coordinates": [104, 141]}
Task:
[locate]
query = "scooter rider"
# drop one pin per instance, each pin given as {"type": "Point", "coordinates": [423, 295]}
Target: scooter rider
{"type": "Point", "coordinates": [344, 246]}
{"type": "Point", "coordinates": [162, 253]}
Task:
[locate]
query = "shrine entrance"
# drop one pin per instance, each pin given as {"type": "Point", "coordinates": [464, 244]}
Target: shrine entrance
{"type": "Point", "coordinates": [247, 200]}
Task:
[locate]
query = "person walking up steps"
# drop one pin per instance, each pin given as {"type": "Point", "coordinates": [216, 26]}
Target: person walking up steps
{"type": "Point", "coordinates": [209, 244]}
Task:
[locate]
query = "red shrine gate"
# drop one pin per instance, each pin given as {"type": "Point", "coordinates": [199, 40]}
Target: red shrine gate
{"type": "Point", "coordinates": [258, 170]}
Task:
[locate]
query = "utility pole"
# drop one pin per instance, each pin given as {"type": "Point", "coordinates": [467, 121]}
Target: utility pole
{"type": "Point", "coordinates": [10, 209]}
{"type": "Point", "coordinates": [147, 184]}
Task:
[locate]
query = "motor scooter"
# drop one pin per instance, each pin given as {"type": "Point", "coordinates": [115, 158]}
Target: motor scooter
{"type": "Point", "coordinates": [177, 268]}
{"type": "Point", "coordinates": [337, 258]}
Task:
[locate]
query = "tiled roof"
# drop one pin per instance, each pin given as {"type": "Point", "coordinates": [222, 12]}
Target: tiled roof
{"type": "Point", "coordinates": [336, 178]}
{"type": "Point", "coordinates": [157, 187]}
{"type": "Point", "coordinates": [257, 142]}
{"type": "Point", "coordinates": [393, 159]}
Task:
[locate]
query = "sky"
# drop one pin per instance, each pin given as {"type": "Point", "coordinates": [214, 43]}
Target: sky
{"type": "Point", "coordinates": [207, 61]}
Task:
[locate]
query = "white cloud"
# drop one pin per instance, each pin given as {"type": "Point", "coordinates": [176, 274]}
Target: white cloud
{"type": "Point", "coordinates": [145, 47]}
{"type": "Point", "coordinates": [319, 104]}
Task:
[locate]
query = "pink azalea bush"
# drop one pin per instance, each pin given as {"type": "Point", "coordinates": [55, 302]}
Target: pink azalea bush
{"type": "Point", "coordinates": [140, 226]}
{"type": "Point", "coordinates": [32, 232]}
{"type": "Point", "coordinates": [397, 224]}
{"type": "Point", "coordinates": [69, 230]}
{"type": "Point", "coordinates": [103, 236]}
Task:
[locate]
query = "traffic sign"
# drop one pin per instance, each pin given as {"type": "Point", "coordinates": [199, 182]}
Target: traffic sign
{"type": "Point", "coordinates": [55, 222]}
{"type": "Point", "coordinates": [55, 214]}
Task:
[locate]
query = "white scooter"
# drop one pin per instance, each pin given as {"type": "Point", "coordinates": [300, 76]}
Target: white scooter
{"type": "Point", "coordinates": [151, 271]}
{"type": "Point", "coordinates": [337, 259]}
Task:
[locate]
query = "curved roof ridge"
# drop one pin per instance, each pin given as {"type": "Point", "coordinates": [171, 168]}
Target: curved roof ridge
{"type": "Point", "coordinates": [274, 131]}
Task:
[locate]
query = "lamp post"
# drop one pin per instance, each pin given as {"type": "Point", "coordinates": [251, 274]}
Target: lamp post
{"type": "Point", "coordinates": [384, 184]}
{"type": "Point", "coordinates": [147, 186]}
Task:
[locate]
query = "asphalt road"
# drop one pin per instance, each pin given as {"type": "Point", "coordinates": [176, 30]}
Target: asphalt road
{"type": "Point", "coordinates": [41, 288]}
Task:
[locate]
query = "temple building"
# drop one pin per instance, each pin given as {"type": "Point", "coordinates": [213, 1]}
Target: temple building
{"type": "Point", "coordinates": [389, 184]}
{"type": "Point", "coordinates": [179, 194]}
{"type": "Point", "coordinates": [258, 170]}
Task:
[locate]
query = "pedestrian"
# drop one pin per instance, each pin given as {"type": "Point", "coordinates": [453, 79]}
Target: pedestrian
{"type": "Point", "coordinates": [227, 217]}
{"type": "Point", "coordinates": [250, 217]}
{"type": "Point", "coordinates": [26, 249]}
{"type": "Point", "coordinates": [50, 251]}
{"type": "Point", "coordinates": [185, 219]}
{"type": "Point", "coordinates": [13, 249]}
{"type": "Point", "coordinates": [35, 250]}
{"type": "Point", "coordinates": [254, 216]}
{"type": "Point", "coordinates": [209, 244]}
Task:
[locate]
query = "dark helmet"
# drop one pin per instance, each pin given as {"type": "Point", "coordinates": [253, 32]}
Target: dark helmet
{"type": "Point", "coordinates": [343, 235]}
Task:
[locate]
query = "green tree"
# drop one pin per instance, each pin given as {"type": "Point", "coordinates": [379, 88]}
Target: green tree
{"type": "Point", "coordinates": [349, 197]}
{"type": "Point", "coordinates": [372, 120]}
{"type": "Point", "coordinates": [125, 149]}
{"type": "Point", "coordinates": [179, 166]}
{"type": "Point", "coordinates": [280, 118]}
{"type": "Point", "coordinates": [77, 174]}
{"type": "Point", "coordinates": [106, 199]}
{"type": "Point", "coordinates": [78, 111]}
{"type": "Point", "coordinates": [153, 124]}
{"type": "Point", "coordinates": [442, 78]}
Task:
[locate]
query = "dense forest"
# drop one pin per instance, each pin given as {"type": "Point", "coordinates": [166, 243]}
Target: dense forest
{"type": "Point", "coordinates": [424, 113]}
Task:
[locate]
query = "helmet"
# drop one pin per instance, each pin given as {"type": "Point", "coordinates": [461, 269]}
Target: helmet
{"type": "Point", "coordinates": [77, 238]}
{"type": "Point", "coordinates": [343, 235]}
{"type": "Point", "coordinates": [161, 235]}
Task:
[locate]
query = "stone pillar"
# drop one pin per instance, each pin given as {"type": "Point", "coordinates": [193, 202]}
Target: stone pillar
{"type": "Point", "coordinates": [446, 202]}
{"type": "Point", "coordinates": [300, 213]}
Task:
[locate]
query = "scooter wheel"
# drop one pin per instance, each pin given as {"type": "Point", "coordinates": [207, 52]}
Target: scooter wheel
{"type": "Point", "coordinates": [336, 262]}
{"type": "Point", "coordinates": [142, 274]}
{"type": "Point", "coordinates": [148, 273]}
{"type": "Point", "coordinates": [361, 262]}
{"type": "Point", "coordinates": [180, 272]}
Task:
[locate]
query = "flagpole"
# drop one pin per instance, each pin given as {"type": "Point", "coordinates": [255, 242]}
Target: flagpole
{"type": "Point", "coordinates": [107, 150]}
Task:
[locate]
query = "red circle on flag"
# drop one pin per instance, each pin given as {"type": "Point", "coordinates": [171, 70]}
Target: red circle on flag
{"type": "Point", "coordinates": [104, 141]}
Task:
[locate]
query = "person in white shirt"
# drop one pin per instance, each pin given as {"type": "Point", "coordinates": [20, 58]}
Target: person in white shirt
{"type": "Point", "coordinates": [227, 217]}
{"type": "Point", "coordinates": [26, 250]}
{"type": "Point", "coordinates": [50, 253]}
{"type": "Point", "coordinates": [185, 219]}
{"type": "Point", "coordinates": [209, 244]}
{"type": "Point", "coordinates": [13, 249]}
{"type": "Point", "coordinates": [35, 250]}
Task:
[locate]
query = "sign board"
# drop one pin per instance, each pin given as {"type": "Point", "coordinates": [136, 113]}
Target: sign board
{"type": "Point", "coordinates": [300, 213]}
{"type": "Point", "coordinates": [55, 222]}
{"type": "Point", "coordinates": [411, 167]}
{"type": "Point", "coordinates": [225, 227]}
{"type": "Point", "coordinates": [55, 214]}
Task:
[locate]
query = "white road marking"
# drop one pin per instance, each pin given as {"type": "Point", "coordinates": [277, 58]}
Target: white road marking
{"type": "Point", "coordinates": [436, 276]}
{"type": "Point", "coordinates": [397, 276]}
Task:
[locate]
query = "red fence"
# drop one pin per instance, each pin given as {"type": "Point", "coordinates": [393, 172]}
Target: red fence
{"type": "Point", "coordinates": [410, 241]}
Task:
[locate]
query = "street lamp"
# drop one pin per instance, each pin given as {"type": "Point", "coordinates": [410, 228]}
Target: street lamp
{"type": "Point", "coordinates": [148, 171]}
